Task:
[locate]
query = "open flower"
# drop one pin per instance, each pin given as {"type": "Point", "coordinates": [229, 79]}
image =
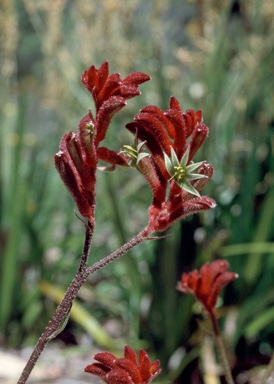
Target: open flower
{"type": "Point", "coordinates": [207, 283]}
{"type": "Point", "coordinates": [163, 150]}
{"type": "Point", "coordinates": [172, 138]}
{"type": "Point", "coordinates": [183, 173]}
{"type": "Point", "coordinates": [125, 370]}
{"type": "Point", "coordinates": [134, 152]}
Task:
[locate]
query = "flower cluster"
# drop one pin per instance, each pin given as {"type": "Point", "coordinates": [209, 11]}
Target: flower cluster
{"type": "Point", "coordinates": [172, 138]}
{"type": "Point", "coordinates": [124, 370]}
{"type": "Point", "coordinates": [165, 143]}
{"type": "Point", "coordinates": [164, 147]}
{"type": "Point", "coordinates": [79, 152]}
{"type": "Point", "coordinates": [207, 283]}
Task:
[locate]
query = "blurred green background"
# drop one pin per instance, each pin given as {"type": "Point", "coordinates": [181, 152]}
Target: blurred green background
{"type": "Point", "coordinates": [216, 56]}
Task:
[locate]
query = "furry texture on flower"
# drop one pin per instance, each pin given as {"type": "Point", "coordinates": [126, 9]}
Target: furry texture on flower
{"type": "Point", "coordinates": [79, 152]}
{"type": "Point", "coordinates": [172, 138]}
{"type": "Point", "coordinates": [125, 370]}
{"type": "Point", "coordinates": [207, 283]}
{"type": "Point", "coordinates": [163, 150]}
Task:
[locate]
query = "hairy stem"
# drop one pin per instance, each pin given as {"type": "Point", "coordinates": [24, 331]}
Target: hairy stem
{"type": "Point", "coordinates": [55, 325]}
{"type": "Point", "coordinates": [63, 309]}
{"type": "Point", "coordinates": [221, 348]}
{"type": "Point", "coordinates": [88, 238]}
{"type": "Point", "coordinates": [119, 252]}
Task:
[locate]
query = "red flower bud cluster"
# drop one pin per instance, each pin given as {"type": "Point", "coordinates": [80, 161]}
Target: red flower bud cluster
{"type": "Point", "coordinates": [207, 284]}
{"type": "Point", "coordinates": [125, 370]}
{"type": "Point", "coordinates": [165, 144]}
{"type": "Point", "coordinates": [79, 152]}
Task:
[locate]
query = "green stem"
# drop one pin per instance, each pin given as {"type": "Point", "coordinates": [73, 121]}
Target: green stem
{"type": "Point", "coordinates": [56, 324]}
{"type": "Point", "coordinates": [221, 348]}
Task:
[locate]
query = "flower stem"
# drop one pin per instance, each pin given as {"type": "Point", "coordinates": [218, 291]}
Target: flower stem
{"type": "Point", "coordinates": [58, 321]}
{"type": "Point", "coordinates": [143, 235]}
{"type": "Point", "coordinates": [221, 348]}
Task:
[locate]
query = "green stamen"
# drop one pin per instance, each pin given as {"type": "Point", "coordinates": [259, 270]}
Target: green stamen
{"type": "Point", "coordinates": [130, 151]}
{"type": "Point", "coordinates": [182, 173]}
{"type": "Point", "coordinates": [179, 173]}
{"type": "Point", "coordinates": [134, 153]}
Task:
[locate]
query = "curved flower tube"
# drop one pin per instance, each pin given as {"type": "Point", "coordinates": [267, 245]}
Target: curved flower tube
{"type": "Point", "coordinates": [79, 152]}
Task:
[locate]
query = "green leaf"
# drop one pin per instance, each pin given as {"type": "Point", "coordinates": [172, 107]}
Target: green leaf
{"type": "Point", "coordinates": [261, 321]}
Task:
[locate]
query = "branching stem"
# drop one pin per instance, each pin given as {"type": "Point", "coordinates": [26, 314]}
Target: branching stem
{"type": "Point", "coordinates": [55, 325]}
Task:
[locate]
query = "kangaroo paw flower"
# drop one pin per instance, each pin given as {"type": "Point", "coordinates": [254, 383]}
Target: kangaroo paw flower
{"type": "Point", "coordinates": [77, 160]}
{"type": "Point", "coordinates": [124, 370]}
{"type": "Point", "coordinates": [207, 283]}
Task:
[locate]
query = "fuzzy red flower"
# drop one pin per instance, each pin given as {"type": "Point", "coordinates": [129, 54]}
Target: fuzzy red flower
{"type": "Point", "coordinates": [79, 152]}
{"type": "Point", "coordinates": [125, 370]}
{"type": "Point", "coordinates": [164, 146]}
{"type": "Point", "coordinates": [172, 138]}
{"type": "Point", "coordinates": [207, 284]}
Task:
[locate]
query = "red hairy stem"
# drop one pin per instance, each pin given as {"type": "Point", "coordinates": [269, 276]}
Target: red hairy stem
{"type": "Point", "coordinates": [63, 309]}
{"type": "Point", "coordinates": [143, 235]}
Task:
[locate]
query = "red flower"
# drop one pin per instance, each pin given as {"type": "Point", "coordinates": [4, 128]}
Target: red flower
{"type": "Point", "coordinates": [164, 146]}
{"type": "Point", "coordinates": [77, 159]}
{"type": "Point", "coordinates": [103, 86]}
{"type": "Point", "coordinates": [207, 284]}
{"type": "Point", "coordinates": [172, 139]}
{"type": "Point", "coordinates": [125, 370]}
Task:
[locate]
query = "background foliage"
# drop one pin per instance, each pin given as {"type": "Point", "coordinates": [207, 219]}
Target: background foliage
{"type": "Point", "coordinates": [214, 56]}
